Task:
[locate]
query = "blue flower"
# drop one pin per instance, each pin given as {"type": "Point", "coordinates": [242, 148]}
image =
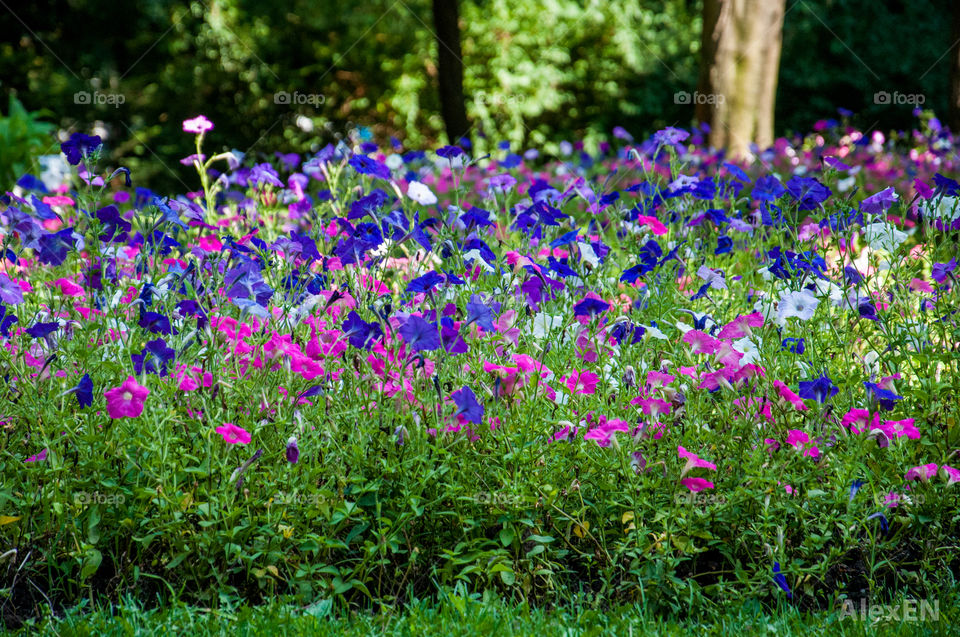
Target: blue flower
{"type": "Point", "coordinates": [154, 358]}
{"type": "Point", "coordinates": [884, 525]}
{"type": "Point", "coordinates": [781, 580]}
{"type": "Point", "coordinates": [360, 333]}
{"type": "Point", "coordinates": [808, 192]}
{"type": "Point", "coordinates": [419, 334]}
{"type": "Point", "coordinates": [884, 397]}
{"type": "Point", "coordinates": [84, 391]}
{"type": "Point", "coordinates": [480, 314]}
{"type": "Point", "coordinates": [449, 152]}
{"type": "Point", "coordinates": [941, 271]}
{"type": "Point", "coordinates": [854, 487]}
{"type": "Point", "coordinates": [425, 283]}
{"type": "Point", "coordinates": [156, 323]}
{"type": "Point", "coordinates": [80, 146]}
{"type": "Point", "coordinates": [794, 345]}
{"type": "Point", "coordinates": [42, 330]}
{"type": "Point", "coordinates": [819, 389]}
{"type": "Point", "coordinates": [467, 405]}
{"type": "Point", "coordinates": [590, 307]}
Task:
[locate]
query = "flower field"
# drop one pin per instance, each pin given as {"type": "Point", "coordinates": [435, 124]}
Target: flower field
{"type": "Point", "coordinates": [628, 373]}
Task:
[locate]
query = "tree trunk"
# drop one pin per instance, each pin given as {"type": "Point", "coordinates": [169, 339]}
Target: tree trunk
{"type": "Point", "coordinates": [739, 65]}
{"type": "Point", "coordinates": [953, 114]}
{"type": "Point", "coordinates": [446, 20]}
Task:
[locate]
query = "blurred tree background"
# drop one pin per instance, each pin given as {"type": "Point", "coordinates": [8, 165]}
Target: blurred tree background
{"type": "Point", "coordinates": [535, 71]}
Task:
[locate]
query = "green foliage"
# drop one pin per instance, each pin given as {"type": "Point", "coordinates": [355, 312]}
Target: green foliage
{"type": "Point", "coordinates": [23, 137]}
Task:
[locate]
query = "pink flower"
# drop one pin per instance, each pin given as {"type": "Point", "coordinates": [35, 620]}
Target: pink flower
{"type": "Point", "coordinates": [655, 225]}
{"type": "Point", "coordinates": [696, 484]}
{"type": "Point", "coordinates": [787, 394]}
{"type": "Point", "coordinates": [605, 431]}
{"type": "Point", "coordinates": [694, 461]}
{"type": "Point", "coordinates": [952, 475]}
{"type": "Point", "coordinates": [700, 342]}
{"type": "Point", "coordinates": [740, 326]}
{"type": "Point", "coordinates": [126, 401]}
{"type": "Point", "coordinates": [581, 382]}
{"type": "Point", "coordinates": [39, 457]}
{"type": "Point", "coordinates": [897, 428]}
{"type": "Point", "coordinates": [197, 125]}
{"type": "Point", "coordinates": [858, 420]}
{"type": "Point", "coordinates": [233, 434]}
{"type": "Point", "coordinates": [652, 407]}
{"type": "Point", "coordinates": [923, 472]}
{"type": "Point", "coordinates": [797, 438]}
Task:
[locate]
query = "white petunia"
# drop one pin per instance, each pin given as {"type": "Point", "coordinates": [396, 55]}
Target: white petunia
{"type": "Point", "coordinates": [883, 236]}
{"type": "Point", "coordinates": [749, 349]}
{"type": "Point", "coordinates": [544, 324]}
{"type": "Point", "coordinates": [800, 304]}
{"type": "Point", "coordinates": [421, 194]}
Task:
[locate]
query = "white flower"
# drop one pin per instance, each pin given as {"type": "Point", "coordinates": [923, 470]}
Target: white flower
{"type": "Point", "coordinates": [883, 236]}
{"type": "Point", "coordinates": [421, 194]}
{"type": "Point", "coordinates": [947, 211]}
{"type": "Point", "coordinates": [544, 324]}
{"type": "Point", "coordinates": [800, 304]}
{"type": "Point", "coordinates": [588, 255]}
{"type": "Point", "coordinates": [654, 332]}
{"type": "Point", "coordinates": [845, 184]}
{"type": "Point", "coordinates": [749, 349]}
{"type": "Point", "coordinates": [714, 278]}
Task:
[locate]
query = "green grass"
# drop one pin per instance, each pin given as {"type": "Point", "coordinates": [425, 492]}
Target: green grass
{"type": "Point", "coordinates": [454, 614]}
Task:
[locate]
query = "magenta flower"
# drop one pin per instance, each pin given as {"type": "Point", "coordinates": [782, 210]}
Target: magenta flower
{"type": "Point", "coordinates": [197, 125]}
{"type": "Point", "coordinates": [126, 401]}
{"type": "Point", "coordinates": [39, 457]}
{"type": "Point", "coordinates": [700, 342]}
{"type": "Point", "coordinates": [581, 382]}
{"type": "Point", "coordinates": [923, 472]}
{"type": "Point", "coordinates": [696, 484]}
{"type": "Point", "coordinates": [233, 434]}
{"type": "Point", "coordinates": [693, 462]}
{"type": "Point", "coordinates": [952, 475]}
{"type": "Point", "coordinates": [787, 394]}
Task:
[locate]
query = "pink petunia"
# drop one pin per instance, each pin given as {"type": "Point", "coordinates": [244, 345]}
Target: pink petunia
{"type": "Point", "coordinates": [696, 484]}
{"type": "Point", "coordinates": [952, 475]}
{"type": "Point", "coordinates": [232, 434]}
{"type": "Point", "coordinates": [694, 461]}
{"type": "Point", "coordinates": [859, 420]}
{"type": "Point", "coordinates": [39, 457]}
{"type": "Point", "coordinates": [922, 472]}
{"type": "Point", "coordinates": [655, 225]}
{"type": "Point", "coordinates": [581, 382]}
{"type": "Point", "coordinates": [198, 125]}
{"type": "Point", "coordinates": [740, 326]}
{"type": "Point", "coordinates": [787, 394]}
{"type": "Point", "coordinates": [700, 342]}
{"type": "Point", "coordinates": [126, 401]}
{"type": "Point", "coordinates": [603, 433]}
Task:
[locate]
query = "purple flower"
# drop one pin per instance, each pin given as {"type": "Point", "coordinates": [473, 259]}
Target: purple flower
{"type": "Point", "coordinates": [154, 358]}
{"type": "Point", "coordinates": [84, 391]}
{"type": "Point", "coordinates": [884, 526]}
{"type": "Point", "coordinates": [590, 307]}
{"type": "Point", "coordinates": [360, 333]}
{"type": "Point", "coordinates": [155, 323]}
{"type": "Point", "coordinates": [293, 451]}
{"type": "Point", "coordinates": [425, 283]}
{"type": "Point", "coordinates": [419, 334]}
{"type": "Point", "coordinates": [449, 152]}
{"type": "Point", "coordinates": [941, 271]}
{"type": "Point", "coordinates": [480, 314]}
{"type": "Point", "coordinates": [855, 487]}
{"type": "Point", "coordinates": [781, 580]}
{"type": "Point", "coordinates": [670, 135]}
{"type": "Point", "coordinates": [80, 146]}
{"type": "Point", "coordinates": [467, 405]}
{"type": "Point", "coordinates": [878, 203]}
{"type": "Point", "coordinates": [808, 192]}
{"type": "Point", "coordinates": [42, 330]}
{"type": "Point", "coordinates": [367, 166]}
{"type": "Point", "coordinates": [884, 397]}
{"type": "Point", "coordinates": [10, 292]}
{"type": "Point", "coordinates": [768, 188]}
{"type": "Point", "coordinates": [819, 389]}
